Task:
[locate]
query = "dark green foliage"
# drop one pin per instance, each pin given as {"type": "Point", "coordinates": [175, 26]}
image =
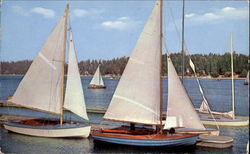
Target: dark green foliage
{"type": "Point", "coordinates": [210, 64]}
{"type": "Point", "coordinates": [243, 73]}
{"type": "Point", "coordinates": [214, 74]}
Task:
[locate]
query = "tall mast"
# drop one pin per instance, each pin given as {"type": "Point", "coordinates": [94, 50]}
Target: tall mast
{"type": "Point", "coordinates": [161, 97]}
{"type": "Point", "coordinates": [1, 3]}
{"type": "Point", "coordinates": [64, 52]}
{"type": "Point", "coordinates": [232, 75]}
{"type": "Point", "coordinates": [182, 42]}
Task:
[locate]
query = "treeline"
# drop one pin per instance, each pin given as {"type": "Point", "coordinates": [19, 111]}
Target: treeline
{"type": "Point", "coordinates": [206, 64]}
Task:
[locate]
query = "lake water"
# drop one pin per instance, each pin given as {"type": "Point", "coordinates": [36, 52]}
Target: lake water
{"type": "Point", "coordinates": [218, 93]}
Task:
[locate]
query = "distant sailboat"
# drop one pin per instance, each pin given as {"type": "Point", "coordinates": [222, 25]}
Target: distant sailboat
{"type": "Point", "coordinates": [246, 82]}
{"type": "Point", "coordinates": [42, 89]}
{"type": "Point", "coordinates": [138, 96]}
{"type": "Point", "coordinates": [225, 118]}
{"type": "Point", "coordinates": [97, 82]}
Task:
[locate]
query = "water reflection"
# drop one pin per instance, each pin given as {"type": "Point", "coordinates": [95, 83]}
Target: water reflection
{"type": "Point", "coordinates": [17, 143]}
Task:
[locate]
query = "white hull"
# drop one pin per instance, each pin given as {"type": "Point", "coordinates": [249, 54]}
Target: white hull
{"type": "Point", "coordinates": [82, 132]}
{"type": "Point", "coordinates": [226, 114]}
{"type": "Point", "coordinates": [196, 131]}
{"type": "Point", "coordinates": [226, 123]}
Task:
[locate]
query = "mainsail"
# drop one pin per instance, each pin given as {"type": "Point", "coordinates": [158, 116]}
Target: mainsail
{"type": "Point", "coordinates": [97, 78]}
{"type": "Point", "coordinates": [74, 98]}
{"type": "Point", "coordinates": [40, 88]}
{"type": "Point", "coordinates": [137, 96]}
{"type": "Point", "coordinates": [180, 110]}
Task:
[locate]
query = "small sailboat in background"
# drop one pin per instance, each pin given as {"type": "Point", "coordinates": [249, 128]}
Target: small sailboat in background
{"type": "Point", "coordinates": [97, 82]}
{"type": "Point", "coordinates": [246, 82]}
{"type": "Point", "coordinates": [138, 96]}
{"type": "Point", "coordinates": [223, 118]}
{"type": "Point", "coordinates": [42, 89]}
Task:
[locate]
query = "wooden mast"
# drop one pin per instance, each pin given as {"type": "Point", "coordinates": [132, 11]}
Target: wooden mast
{"type": "Point", "coordinates": [64, 52]}
{"type": "Point", "coordinates": [232, 75]}
{"type": "Point", "coordinates": [161, 97]}
{"type": "Point", "coordinates": [182, 42]}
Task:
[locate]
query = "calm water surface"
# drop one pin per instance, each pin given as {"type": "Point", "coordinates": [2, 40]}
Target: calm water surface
{"type": "Point", "coordinates": [218, 93]}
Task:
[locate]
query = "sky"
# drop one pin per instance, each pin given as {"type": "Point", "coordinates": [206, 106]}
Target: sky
{"type": "Point", "coordinates": [108, 29]}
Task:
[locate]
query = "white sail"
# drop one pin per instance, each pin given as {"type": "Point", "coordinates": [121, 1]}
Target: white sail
{"type": "Point", "coordinates": [137, 96]}
{"type": "Point", "coordinates": [179, 107]}
{"type": "Point", "coordinates": [247, 78]}
{"type": "Point", "coordinates": [204, 107]}
{"type": "Point", "coordinates": [74, 97]}
{"type": "Point", "coordinates": [40, 88]}
{"type": "Point", "coordinates": [97, 78]}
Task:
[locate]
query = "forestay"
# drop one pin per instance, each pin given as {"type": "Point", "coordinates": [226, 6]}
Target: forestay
{"type": "Point", "coordinates": [180, 111]}
{"type": "Point", "coordinates": [40, 88]}
{"type": "Point", "coordinates": [74, 97]}
{"type": "Point", "coordinates": [97, 78]}
{"type": "Point", "coordinates": [137, 96]}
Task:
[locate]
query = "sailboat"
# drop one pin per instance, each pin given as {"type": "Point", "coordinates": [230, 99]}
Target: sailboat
{"type": "Point", "coordinates": [97, 82]}
{"type": "Point", "coordinates": [223, 118]}
{"type": "Point", "coordinates": [181, 113]}
{"type": "Point", "coordinates": [138, 96]}
{"type": "Point", "coordinates": [178, 117]}
{"type": "Point", "coordinates": [246, 82]}
{"type": "Point", "coordinates": [42, 89]}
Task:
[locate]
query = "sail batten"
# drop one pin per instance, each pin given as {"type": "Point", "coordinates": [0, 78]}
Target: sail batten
{"type": "Point", "coordinates": [40, 88]}
{"type": "Point", "coordinates": [74, 96]}
{"type": "Point", "coordinates": [180, 110]}
{"type": "Point", "coordinates": [137, 96]}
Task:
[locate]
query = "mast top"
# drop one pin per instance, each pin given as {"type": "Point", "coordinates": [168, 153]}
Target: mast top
{"type": "Point", "coordinates": [67, 10]}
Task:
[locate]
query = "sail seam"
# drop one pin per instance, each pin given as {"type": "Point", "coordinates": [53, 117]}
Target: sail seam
{"type": "Point", "coordinates": [143, 63]}
{"type": "Point", "coordinates": [46, 60]}
{"type": "Point", "coordinates": [136, 103]}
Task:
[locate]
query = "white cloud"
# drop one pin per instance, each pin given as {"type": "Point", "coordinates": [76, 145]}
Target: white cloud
{"type": "Point", "coordinates": [90, 13]}
{"type": "Point", "coordinates": [215, 17]}
{"type": "Point", "coordinates": [47, 13]}
{"type": "Point", "coordinates": [189, 15]}
{"type": "Point", "coordinates": [80, 12]}
{"type": "Point", "coordinates": [226, 13]}
{"type": "Point", "coordinates": [122, 23]}
{"type": "Point", "coordinates": [96, 11]}
{"type": "Point", "coordinates": [225, 9]}
{"type": "Point", "coordinates": [115, 24]}
{"type": "Point", "coordinates": [123, 18]}
{"type": "Point", "coordinates": [19, 10]}
{"type": "Point", "coordinates": [208, 17]}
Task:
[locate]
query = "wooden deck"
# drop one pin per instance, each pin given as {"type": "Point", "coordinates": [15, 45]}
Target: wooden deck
{"type": "Point", "coordinates": [218, 142]}
{"type": "Point", "coordinates": [94, 126]}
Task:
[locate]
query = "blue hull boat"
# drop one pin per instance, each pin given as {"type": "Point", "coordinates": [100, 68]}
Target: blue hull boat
{"type": "Point", "coordinates": [146, 140]}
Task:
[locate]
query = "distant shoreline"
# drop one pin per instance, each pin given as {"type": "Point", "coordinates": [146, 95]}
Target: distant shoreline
{"type": "Point", "coordinates": [118, 76]}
